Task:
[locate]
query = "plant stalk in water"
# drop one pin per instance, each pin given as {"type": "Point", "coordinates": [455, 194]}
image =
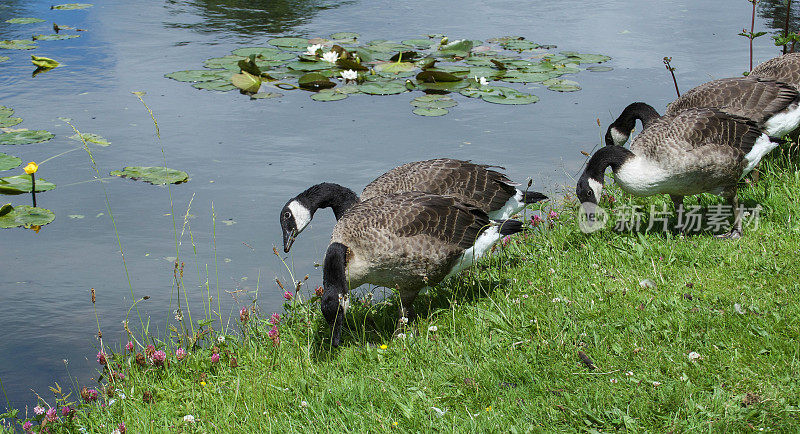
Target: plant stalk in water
{"type": "Point", "coordinates": [752, 35]}
{"type": "Point", "coordinates": [672, 71]}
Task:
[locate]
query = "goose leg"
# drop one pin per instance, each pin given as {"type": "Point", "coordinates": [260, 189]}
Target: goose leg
{"type": "Point", "coordinates": [736, 230]}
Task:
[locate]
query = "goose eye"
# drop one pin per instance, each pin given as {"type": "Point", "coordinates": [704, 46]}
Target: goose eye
{"type": "Point", "coordinates": [287, 215]}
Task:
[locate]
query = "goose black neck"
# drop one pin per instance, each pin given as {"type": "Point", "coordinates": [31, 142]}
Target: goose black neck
{"type": "Point", "coordinates": [606, 156]}
{"type": "Point", "coordinates": [638, 110]}
{"type": "Point", "coordinates": [328, 195]}
{"type": "Point", "coordinates": [334, 279]}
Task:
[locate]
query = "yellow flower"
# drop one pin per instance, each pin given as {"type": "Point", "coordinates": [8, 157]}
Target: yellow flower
{"type": "Point", "coordinates": [31, 168]}
{"type": "Point", "coordinates": [202, 383]}
{"type": "Point", "coordinates": [489, 408]}
{"type": "Point", "coordinates": [394, 423]}
{"type": "Point", "coordinates": [383, 347]}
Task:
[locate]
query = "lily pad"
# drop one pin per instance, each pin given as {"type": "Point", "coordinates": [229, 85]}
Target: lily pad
{"type": "Point", "coordinates": [387, 47]}
{"type": "Point", "coordinates": [194, 75]}
{"type": "Point", "coordinates": [266, 95]}
{"type": "Point", "coordinates": [258, 51]}
{"type": "Point", "coordinates": [25, 137]}
{"type": "Point", "coordinates": [420, 43]}
{"type": "Point", "coordinates": [430, 76]}
{"type": "Point", "coordinates": [445, 86]}
{"type": "Point", "coordinates": [519, 45]}
{"type": "Point", "coordinates": [9, 122]}
{"type": "Point", "coordinates": [219, 85]}
{"type": "Point", "coordinates": [91, 138]}
{"type": "Point", "coordinates": [564, 86]}
{"type": "Point", "coordinates": [23, 215]}
{"type": "Point", "coordinates": [527, 77]}
{"type": "Point", "coordinates": [585, 58]}
{"type": "Point", "coordinates": [309, 66]}
{"type": "Point", "coordinates": [247, 82]}
{"type": "Point", "coordinates": [456, 49]}
{"type": "Point", "coordinates": [6, 111]}
{"type": "Point", "coordinates": [328, 95]}
{"type": "Point", "coordinates": [44, 62]}
{"type": "Point", "coordinates": [345, 35]}
{"type": "Point", "coordinates": [599, 68]}
{"type": "Point", "coordinates": [378, 88]}
{"type": "Point", "coordinates": [4, 58]}
{"type": "Point", "coordinates": [18, 44]}
{"type": "Point", "coordinates": [434, 101]}
{"type": "Point", "coordinates": [72, 6]}
{"type": "Point", "coordinates": [314, 81]}
{"type": "Point", "coordinates": [225, 62]}
{"type": "Point", "coordinates": [60, 37]}
{"type": "Point", "coordinates": [395, 67]}
{"type": "Point", "coordinates": [20, 184]}
{"type": "Point", "coordinates": [511, 98]}
{"type": "Point", "coordinates": [154, 175]}
{"type": "Point", "coordinates": [8, 162]}
{"type": "Point", "coordinates": [25, 20]}
{"type": "Point", "coordinates": [424, 111]}
{"type": "Point", "coordinates": [289, 43]}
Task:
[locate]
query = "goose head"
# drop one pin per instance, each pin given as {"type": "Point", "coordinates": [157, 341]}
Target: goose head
{"type": "Point", "coordinates": [294, 218]}
{"type": "Point", "coordinates": [334, 295]}
{"type": "Point", "coordinates": [620, 130]}
{"type": "Point", "coordinates": [590, 184]}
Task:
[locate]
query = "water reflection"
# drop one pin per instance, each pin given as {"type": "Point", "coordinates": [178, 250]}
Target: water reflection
{"type": "Point", "coordinates": [247, 17]}
{"type": "Point", "coordinates": [774, 14]}
{"type": "Point", "coordinates": [10, 9]}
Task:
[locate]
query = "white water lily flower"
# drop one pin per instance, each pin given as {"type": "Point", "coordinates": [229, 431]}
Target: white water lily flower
{"type": "Point", "coordinates": [312, 49]}
{"type": "Point", "coordinates": [330, 56]}
{"type": "Point", "coordinates": [483, 81]}
{"type": "Point", "coordinates": [188, 418]}
{"type": "Point", "coordinates": [349, 75]}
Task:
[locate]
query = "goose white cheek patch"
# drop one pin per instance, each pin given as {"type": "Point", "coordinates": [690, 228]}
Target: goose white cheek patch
{"type": "Point", "coordinates": [302, 216]}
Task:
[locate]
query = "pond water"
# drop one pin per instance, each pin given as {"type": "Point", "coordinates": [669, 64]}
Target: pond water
{"type": "Point", "coordinates": [246, 158]}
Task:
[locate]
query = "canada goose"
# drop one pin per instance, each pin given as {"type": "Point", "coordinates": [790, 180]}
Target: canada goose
{"type": "Point", "coordinates": [406, 241]}
{"type": "Point", "coordinates": [695, 151]}
{"type": "Point", "coordinates": [468, 182]}
{"type": "Point", "coordinates": [773, 104]}
{"type": "Point", "coordinates": [784, 68]}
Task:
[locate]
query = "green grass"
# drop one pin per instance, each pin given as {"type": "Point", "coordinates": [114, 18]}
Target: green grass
{"type": "Point", "coordinates": [504, 356]}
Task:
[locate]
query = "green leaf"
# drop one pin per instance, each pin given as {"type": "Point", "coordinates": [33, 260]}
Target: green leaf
{"type": "Point", "coordinates": [434, 101]}
{"type": "Point", "coordinates": [422, 111]}
{"type": "Point", "coordinates": [328, 95]}
{"type": "Point", "coordinates": [266, 95]}
{"type": "Point", "coordinates": [25, 137]}
{"type": "Point", "coordinates": [599, 68]}
{"type": "Point", "coordinates": [249, 66]}
{"type": "Point", "coordinates": [44, 62]}
{"type": "Point", "coordinates": [344, 35]}
{"type": "Point", "coordinates": [8, 162]}
{"type": "Point", "coordinates": [258, 51]}
{"type": "Point", "coordinates": [194, 75]}
{"type": "Point", "coordinates": [314, 81]}
{"type": "Point", "coordinates": [351, 64]}
{"type": "Point", "coordinates": [60, 37]}
{"type": "Point", "coordinates": [419, 43]}
{"type": "Point", "coordinates": [395, 67]}
{"type": "Point", "coordinates": [513, 98]}
{"type": "Point", "coordinates": [527, 77]}
{"type": "Point", "coordinates": [72, 6]}
{"type": "Point", "coordinates": [91, 138]}
{"type": "Point", "coordinates": [219, 85]}
{"type": "Point", "coordinates": [25, 20]}
{"type": "Point", "coordinates": [5, 209]}
{"type": "Point", "coordinates": [9, 122]}
{"type": "Point", "coordinates": [247, 82]}
{"type": "Point", "coordinates": [436, 77]}
{"type": "Point", "coordinates": [309, 66]}
{"type": "Point", "coordinates": [153, 174]}
{"type": "Point", "coordinates": [18, 44]}
{"type": "Point", "coordinates": [378, 88]}
{"type": "Point", "coordinates": [19, 184]}
{"type": "Point", "coordinates": [6, 111]}
{"type": "Point", "coordinates": [289, 43]}
{"type": "Point", "coordinates": [585, 58]}
{"type": "Point", "coordinates": [226, 62]}
{"type": "Point", "coordinates": [4, 58]}
{"type": "Point", "coordinates": [23, 215]}
{"type": "Point", "coordinates": [520, 45]}
{"type": "Point", "coordinates": [564, 86]}
{"type": "Point", "coordinates": [460, 48]}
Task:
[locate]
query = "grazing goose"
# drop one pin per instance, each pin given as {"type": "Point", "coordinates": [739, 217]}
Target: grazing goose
{"type": "Point", "coordinates": [477, 184]}
{"type": "Point", "coordinates": [773, 104]}
{"type": "Point", "coordinates": [784, 68]}
{"type": "Point", "coordinates": [406, 241]}
{"type": "Point", "coordinates": [695, 151]}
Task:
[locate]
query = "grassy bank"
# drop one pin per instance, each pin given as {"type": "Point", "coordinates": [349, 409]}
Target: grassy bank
{"type": "Point", "coordinates": [686, 334]}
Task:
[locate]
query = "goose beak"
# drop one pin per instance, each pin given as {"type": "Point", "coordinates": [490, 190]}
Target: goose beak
{"type": "Point", "coordinates": [336, 333]}
{"type": "Point", "coordinates": [288, 239]}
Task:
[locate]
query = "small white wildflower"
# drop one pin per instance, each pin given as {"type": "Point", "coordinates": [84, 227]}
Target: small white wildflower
{"type": "Point", "coordinates": [613, 381]}
{"type": "Point", "coordinates": [552, 271]}
{"type": "Point", "coordinates": [401, 336]}
{"type": "Point", "coordinates": [647, 283]}
{"type": "Point", "coordinates": [629, 374]}
{"type": "Point", "coordinates": [303, 404]}
{"type": "Point", "coordinates": [188, 418]}
{"type": "Point", "coordinates": [349, 75]}
{"type": "Point", "coordinates": [116, 431]}
{"type": "Point", "coordinates": [694, 355]}
{"type": "Point", "coordinates": [221, 339]}
{"type": "Point", "coordinates": [330, 56]}
{"type": "Point", "coordinates": [404, 320]}
{"type": "Point", "coordinates": [311, 50]}
{"type": "Point", "coordinates": [556, 300]}
{"type": "Point", "coordinates": [439, 412]}
{"type": "Point", "coordinates": [433, 328]}
{"type": "Point", "coordinates": [524, 295]}
{"type": "Point", "coordinates": [656, 383]}
{"type": "Point", "coordinates": [738, 308]}
{"type": "Point", "coordinates": [111, 401]}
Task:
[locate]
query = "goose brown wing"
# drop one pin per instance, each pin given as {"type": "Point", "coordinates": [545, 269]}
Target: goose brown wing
{"type": "Point", "coordinates": [750, 97]}
{"type": "Point", "coordinates": [694, 129]}
{"type": "Point", "coordinates": [468, 182]}
{"type": "Point", "coordinates": [384, 220]}
{"type": "Point", "coordinates": [784, 68]}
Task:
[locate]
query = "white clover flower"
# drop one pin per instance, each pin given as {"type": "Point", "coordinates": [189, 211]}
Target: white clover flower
{"type": "Point", "coordinates": [694, 355]}
{"type": "Point", "coordinates": [188, 418]}
{"type": "Point", "coordinates": [404, 320]}
{"type": "Point", "coordinates": [330, 56]}
{"type": "Point", "coordinates": [401, 336]}
{"type": "Point", "coordinates": [349, 75]}
{"type": "Point", "coordinates": [433, 328]}
{"type": "Point", "coordinates": [303, 404]}
{"type": "Point", "coordinates": [556, 300]}
{"type": "Point", "coordinates": [629, 374]}
{"type": "Point", "coordinates": [312, 49]}
{"type": "Point", "coordinates": [613, 381]}
{"type": "Point", "coordinates": [656, 383]}
{"type": "Point", "coordinates": [221, 339]}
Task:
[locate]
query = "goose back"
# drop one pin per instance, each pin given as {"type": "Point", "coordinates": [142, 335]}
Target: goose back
{"type": "Point", "coordinates": [784, 68]}
{"type": "Point", "coordinates": [477, 184]}
{"type": "Point", "coordinates": [409, 240]}
{"type": "Point", "coordinates": [754, 98]}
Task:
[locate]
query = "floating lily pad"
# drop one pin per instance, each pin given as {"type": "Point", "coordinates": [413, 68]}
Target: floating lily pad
{"type": "Point", "coordinates": [420, 43]}
{"type": "Point", "coordinates": [387, 47]}
{"type": "Point", "coordinates": [44, 62]}
{"type": "Point", "coordinates": [456, 49]}
{"type": "Point", "coordinates": [91, 138]}
{"type": "Point", "coordinates": [527, 77]}
{"type": "Point", "coordinates": [25, 20]}
{"type": "Point", "coordinates": [565, 86]}
{"type": "Point", "coordinates": [585, 58]}
{"type": "Point", "coordinates": [446, 86]}
{"type": "Point", "coordinates": [153, 175]}
{"type": "Point", "coordinates": [378, 88]}
{"type": "Point", "coordinates": [9, 122]}
{"type": "Point", "coordinates": [599, 68]}
{"type": "Point", "coordinates": [309, 66]}
{"type": "Point", "coordinates": [423, 111]}
{"type": "Point", "coordinates": [25, 137]}
{"type": "Point", "coordinates": [258, 51]}
{"type": "Point", "coordinates": [500, 95]}
{"type": "Point", "coordinates": [519, 45]}
{"type": "Point", "coordinates": [20, 184]}
{"type": "Point", "coordinates": [290, 43]}
{"type": "Point", "coordinates": [6, 111]}
{"type": "Point", "coordinates": [60, 37]}
{"type": "Point", "coordinates": [344, 35]}
{"type": "Point", "coordinates": [8, 162]}
{"type": "Point", "coordinates": [72, 6]}
{"type": "Point", "coordinates": [18, 44]}
{"type": "Point", "coordinates": [219, 85]}
{"type": "Point", "coordinates": [314, 81]}
{"type": "Point", "coordinates": [477, 91]}
{"type": "Point", "coordinates": [225, 62]}
{"type": "Point", "coordinates": [23, 215]}
{"type": "Point", "coordinates": [328, 95]}
{"type": "Point", "coordinates": [193, 75]}
{"type": "Point", "coordinates": [4, 58]}
{"type": "Point", "coordinates": [434, 101]}
{"type": "Point", "coordinates": [266, 95]}
{"type": "Point", "coordinates": [247, 82]}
